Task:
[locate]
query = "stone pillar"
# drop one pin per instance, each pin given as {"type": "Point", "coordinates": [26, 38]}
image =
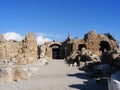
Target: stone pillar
{"type": "Point", "coordinates": [30, 48]}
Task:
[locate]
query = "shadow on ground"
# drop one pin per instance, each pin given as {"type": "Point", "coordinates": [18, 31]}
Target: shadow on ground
{"type": "Point", "coordinates": [88, 84]}
{"type": "Point", "coordinates": [79, 75]}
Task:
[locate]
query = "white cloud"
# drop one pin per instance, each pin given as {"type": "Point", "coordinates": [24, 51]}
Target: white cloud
{"type": "Point", "coordinates": [12, 36]}
{"type": "Point", "coordinates": [41, 39]}
{"type": "Point", "coordinates": [49, 35]}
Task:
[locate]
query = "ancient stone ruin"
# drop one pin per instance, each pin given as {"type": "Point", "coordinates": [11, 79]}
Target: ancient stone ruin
{"type": "Point", "coordinates": [13, 55]}
{"type": "Point", "coordinates": [96, 43]}
{"type": "Point", "coordinates": [20, 52]}
{"type": "Point", "coordinates": [27, 51]}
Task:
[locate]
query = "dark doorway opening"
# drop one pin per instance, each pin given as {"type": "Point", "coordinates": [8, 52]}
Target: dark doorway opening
{"type": "Point", "coordinates": [38, 51]}
{"type": "Point", "coordinates": [80, 46]}
{"type": "Point", "coordinates": [55, 51]}
{"type": "Point", "coordinates": [104, 46]}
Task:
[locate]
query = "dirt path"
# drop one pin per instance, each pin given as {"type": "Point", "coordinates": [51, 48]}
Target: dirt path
{"type": "Point", "coordinates": [55, 76]}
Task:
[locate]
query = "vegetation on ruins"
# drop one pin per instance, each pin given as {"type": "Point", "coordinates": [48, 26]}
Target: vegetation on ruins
{"type": "Point", "coordinates": [110, 36]}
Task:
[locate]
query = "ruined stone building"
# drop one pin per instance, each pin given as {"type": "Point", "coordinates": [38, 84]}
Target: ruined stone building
{"type": "Point", "coordinates": [96, 43]}
{"type": "Point", "coordinates": [20, 52]}
{"type": "Point", "coordinates": [27, 50]}
{"type": "Point", "coordinates": [15, 55]}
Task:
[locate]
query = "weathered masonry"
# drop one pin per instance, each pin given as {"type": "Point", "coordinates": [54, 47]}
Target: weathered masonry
{"type": "Point", "coordinates": [96, 43]}
{"type": "Point", "coordinates": [27, 50]}
{"type": "Point", "coordinates": [20, 52]}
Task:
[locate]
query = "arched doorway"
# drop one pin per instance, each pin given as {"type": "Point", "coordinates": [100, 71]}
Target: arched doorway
{"type": "Point", "coordinates": [55, 51]}
{"type": "Point", "coordinates": [104, 46]}
{"type": "Point", "coordinates": [80, 46]}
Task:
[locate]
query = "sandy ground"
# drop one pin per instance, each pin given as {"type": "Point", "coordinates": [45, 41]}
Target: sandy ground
{"type": "Point", "coordinates": [56, 76]}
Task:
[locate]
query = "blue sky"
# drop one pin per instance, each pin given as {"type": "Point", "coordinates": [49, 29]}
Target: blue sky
{"type": "Point", "coordinates": [57, 18]}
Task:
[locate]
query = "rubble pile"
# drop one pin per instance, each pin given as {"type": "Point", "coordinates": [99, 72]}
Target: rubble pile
{"type": "Point", "coordinates": [85, 56]}
{"type": "Point", "coordinates": [110, 64]}
{"type": "Point", "coordinates": [99, 67]}
{"type": "Point", "coordinates": [9, 72]}
{"type": "Point", "coordinates": [112, 57]}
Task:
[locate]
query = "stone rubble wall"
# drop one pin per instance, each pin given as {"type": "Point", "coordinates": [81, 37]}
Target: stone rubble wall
{"type": "Point", "coordinates": [27, 51]}
{"type": "Point", "coordinates": [76, 44]}
{"type": "Point", "coordinates": [91, 41]}
{"type": "Point", "coordinates": [20, 52]}
{"type": "Point", "coordinates": [30, 48]}
{"type": "Point", "coordinates": [2, 49]}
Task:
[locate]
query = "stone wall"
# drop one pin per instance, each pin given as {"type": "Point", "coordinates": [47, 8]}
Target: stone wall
{"type": "Point", "coordinates": [30, 48]}
{"type": "Point", "coordinates": [2, 48]}
{"type": "Point", "coordinates": [46, 50]}
{"type": "Point", "coordinates": [93, 40]}
{"type": "Point", "coordinates": [27, 51]}
{"type": "Point", "coordinates": [76, 43]}
{"type": "Point", "coordinates": [20, 52]}
{"type": "Point", "coordinates": [96, 43]}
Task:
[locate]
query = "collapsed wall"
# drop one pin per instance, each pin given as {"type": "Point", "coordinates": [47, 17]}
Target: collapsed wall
{"type": "Point", "coordinates": [19, 52]}
{"type": "Point", "coordinates": [96, 43]}
{"type": "Point", "coordinates": [27, 51]}
{"type": "Point", "coordinates": [2, 47]}
{"type": "Point", "coordinates": [30, 48]}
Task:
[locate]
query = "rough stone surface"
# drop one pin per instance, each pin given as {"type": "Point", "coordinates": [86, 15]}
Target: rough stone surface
{"type": "Point", "coordinates": [30, 48]}
{"type": "Point", "coordinates": [2, 49]}
{"type": "Point", "coordinates": [6, 74]}
{"type": "Point", "coordinates": [11, 49]}
{"type": "Point", "coordinates": [111, 57]}
{"type": "Point", "coordinates": [42, 51]}
{"type": "Point", "coordinates": [27, 51]}
{"type": "Point", "coordinates": [96, 43]}
{"type": "Point", "coordinates": [9, 74]}
{"type": "Point", "coordinates": [19, 52]}
{"type": "Point", "coordinates": [19, 73]}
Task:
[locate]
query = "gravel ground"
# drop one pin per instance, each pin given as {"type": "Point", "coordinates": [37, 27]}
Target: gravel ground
{"type": "Point", "coordinates": [56, 76]}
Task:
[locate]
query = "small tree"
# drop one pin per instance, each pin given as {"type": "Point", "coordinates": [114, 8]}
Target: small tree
{"type": "Point", "coordinates": [110, 36]}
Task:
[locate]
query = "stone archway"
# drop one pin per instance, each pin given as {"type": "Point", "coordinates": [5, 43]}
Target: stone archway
{"type": "Point", "coordinates": [55, 51]}
{"type": "Point", "coordinates": [80, 46]}
{"type": "Point", "coordinates": [104, 46]}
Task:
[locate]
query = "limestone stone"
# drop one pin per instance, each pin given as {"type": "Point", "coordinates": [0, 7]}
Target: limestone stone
{"type": "Point", "coordinates": [6, 74]}
{"type": "Point", "coordinates": [117, 50]}
{"type": "Point", "coordinates": [30, 48]}
{"type": "Point", "coordinates": [2, 49]}
{"type": "Point", "coordinates": [11, 49]}
{"type": "Point", "coordinates": [32, 70]}
{"type": "Point", "coordinates": [13, 73]}
{"type": "Point", "coordinates": [19, 73]}
{"type": "Point", "coordinates": [27, 51]}
{"type": "Point", "coordinates": [115, 55]}
{"type": "Point", "coordinates": [42, 51]}
{"type": "Point", "coordinates": [93, 42]}
{"type": "Point", "coordinates": [21, 52]}
{"type": "Point", "coordinates": [1, 36]}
